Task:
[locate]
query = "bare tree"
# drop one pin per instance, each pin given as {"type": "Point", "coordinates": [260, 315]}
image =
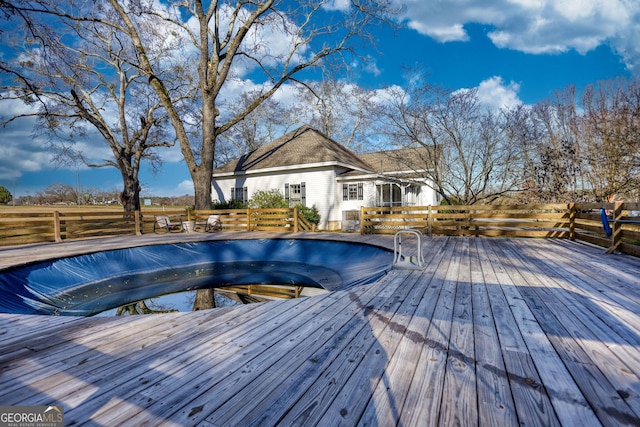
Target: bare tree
{"type": "Point", "coordinates": [198, 57]}
{"type": "Point", "coordinates": [57, 193]}
{"type": "Point", "coordinates": [340, 110]}
{"type": "Point", "coordinates": [228, 39]}
{"type": "Point", "coordinates": [273, 40]}
{"type": "Point", "coordinates": [467, 152]}
{"type": "Point", "coordinates": [78, 77]}
{"type": "Point", "coordinates": [559, 174]}
{"type": "Point", "coordinates": [610, 128]}
{"type": "Point", "coordinates": [587, 146]}
{"type": "Point", "coordinates": [522, 132]}
{"type": "Point", "coordinates": [266, 122]}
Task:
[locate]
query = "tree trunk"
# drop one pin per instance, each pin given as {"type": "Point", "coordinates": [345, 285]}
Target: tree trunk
{"type": "Point", "coordinates": [202, 189]}
{"type": "Point", "coordinates": [205, 298]}
{"type": "Point", "coordinates": [130, 196]}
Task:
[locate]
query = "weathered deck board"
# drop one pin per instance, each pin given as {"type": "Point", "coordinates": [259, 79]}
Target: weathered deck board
{"type": "Point", "coordinates": [382, 410]}
{"type": "Point", "coordinates": [248, 377]}
{"type": "Point", "coordinates": [422, 405]}
{"type": "Point", "coordinates": [565, 397]}
{"type": "Point", "coordinates": [495, 400]}
{"type": "Point", "coordinates": [533, 405]}
{"type": "Point", "coordinates": [492, 332]}
{"type": "Point", "coordinates": [459, 401]}
{"type": "Point", "coordinates": [589, 362]}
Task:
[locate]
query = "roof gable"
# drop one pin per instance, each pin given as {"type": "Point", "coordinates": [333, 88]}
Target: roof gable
{"type": "Point", "coordinates": [303, 146]}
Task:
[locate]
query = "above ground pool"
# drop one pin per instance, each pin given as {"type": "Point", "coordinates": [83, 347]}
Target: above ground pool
{"type": "Point", "coordinates": [88, 284]}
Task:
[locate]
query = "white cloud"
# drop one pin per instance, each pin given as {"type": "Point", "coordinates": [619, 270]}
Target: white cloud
{"type": "Point", "coordinates": [339, 5]}
{"type": "Point", "coordinates": [287, 94]}
{"type": "Point", "coordinates": [20, 152]}
{"type": "Point", "coordinates": [442, 33]}
{"type": "Point", "coordinates": [535, 26]}
{"type": "Point", "coordinates": [626, 44]}
{"type": "Point", "coordinates": [368, 65]}
{"type": "Point", "coordinates": [372, 68]}
{"type": "Point", "coordinates": [182, 188]}
{"type": "Point", "coordinates": [495, 94]}
{"type": "Point", "coordinates": [385, 95]}
{"type": "Point", "coordinates": [185, 187]}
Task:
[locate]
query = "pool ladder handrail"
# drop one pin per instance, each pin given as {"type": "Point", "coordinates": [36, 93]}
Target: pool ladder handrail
{"type": "Point", "coordinates": [404, 262]}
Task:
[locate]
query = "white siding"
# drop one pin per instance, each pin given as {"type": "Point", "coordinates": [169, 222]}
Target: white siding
{"type": "Point", "coordinates": [428, 196]}
{"type": "Point", "coordinates": [369, 196]}
{"type": "Point", "coordinates": [320, 188]}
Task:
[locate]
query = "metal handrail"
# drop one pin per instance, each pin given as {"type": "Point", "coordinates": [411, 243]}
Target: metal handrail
{"type": "Point", "coordinates": [401, 261]}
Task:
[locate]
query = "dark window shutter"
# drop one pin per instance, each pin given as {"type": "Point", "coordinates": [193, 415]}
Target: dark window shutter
{"type": "Point", "coordinates": [286, 192]}
{"type": "Point", "coordinates": [345, 192]}
{"type": "Point", "coordinates": [303, 194]}
{"type": "Point", "coordinates": [360, 191]}
{"type": "Point", "coordinates": [245, 195]}
{"type": "Point", "coordinates": [233, 193]}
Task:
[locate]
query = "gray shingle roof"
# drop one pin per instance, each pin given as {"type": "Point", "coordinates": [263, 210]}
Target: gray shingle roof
{"type": "Point", "coordinates": [305, 146]}
{"type": "Point", "coordinates": [302, 146]}
{"type": "Point", "coordinates": [403, 160]}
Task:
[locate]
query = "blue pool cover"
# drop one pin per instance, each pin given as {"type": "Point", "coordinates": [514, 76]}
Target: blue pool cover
{"type": "Point", "coordinates": [89, 284]}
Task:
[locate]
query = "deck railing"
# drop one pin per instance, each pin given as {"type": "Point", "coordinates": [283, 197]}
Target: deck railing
{"type": "Point", "coordinates": [25, 226]}
{"type": "Point", "coordinates": [569, 221]}
{"type": "Point", "coordinates": [624, 223]}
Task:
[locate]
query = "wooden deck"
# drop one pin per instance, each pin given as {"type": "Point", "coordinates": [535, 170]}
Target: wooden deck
{"type": "Point", "coordinates": [494, 332]}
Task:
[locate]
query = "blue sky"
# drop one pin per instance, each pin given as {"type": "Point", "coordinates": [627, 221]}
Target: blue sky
{"type": "Point", "coordinates": [513, 51]}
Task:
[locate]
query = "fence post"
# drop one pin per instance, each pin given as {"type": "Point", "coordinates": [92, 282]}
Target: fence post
{"type": "Point", "coordinates": [572, 221]}
{"type": "Point", "coordinates": [295, 219]}
{"type": "Point", "coordinates": [249, 220]}
{"type": "Point", "coordinates": [57, 235]}
{"type": "Point", "coordinates": [361, 220]}
{"type": "Point", "coordinates": [429, 221]}
{"type": "Point", "coordinates": [138, 223]}
{"type": "Point", "coordinates": [616, 235]}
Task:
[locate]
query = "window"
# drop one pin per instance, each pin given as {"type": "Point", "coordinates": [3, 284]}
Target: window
{"type": "Point", "coordinates": [391, 194]}
{"type": "Point", "coordinates": [353, 191]}
{"type": "Point", "coordinates": [295, 194]}
{"type": "Point", "coordinates": [240, 193]}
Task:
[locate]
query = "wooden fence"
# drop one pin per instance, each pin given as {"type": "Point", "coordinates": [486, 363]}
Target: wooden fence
{"type": "Point", "coordinates": [625, 226]}
{"type": "Point", "coordinates": [570, 221]}
{"type": "Point", "coordinates": [25, 226]}
{"type": "Point", "coordinates": [283, 220]}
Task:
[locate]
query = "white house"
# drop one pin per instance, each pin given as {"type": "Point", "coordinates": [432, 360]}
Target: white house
{"type": "Point", "coordinates": [310, 168]}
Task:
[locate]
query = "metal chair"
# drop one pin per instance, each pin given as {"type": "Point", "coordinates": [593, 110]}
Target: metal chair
{"type": "Point", "coordinates": [163, 222]}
